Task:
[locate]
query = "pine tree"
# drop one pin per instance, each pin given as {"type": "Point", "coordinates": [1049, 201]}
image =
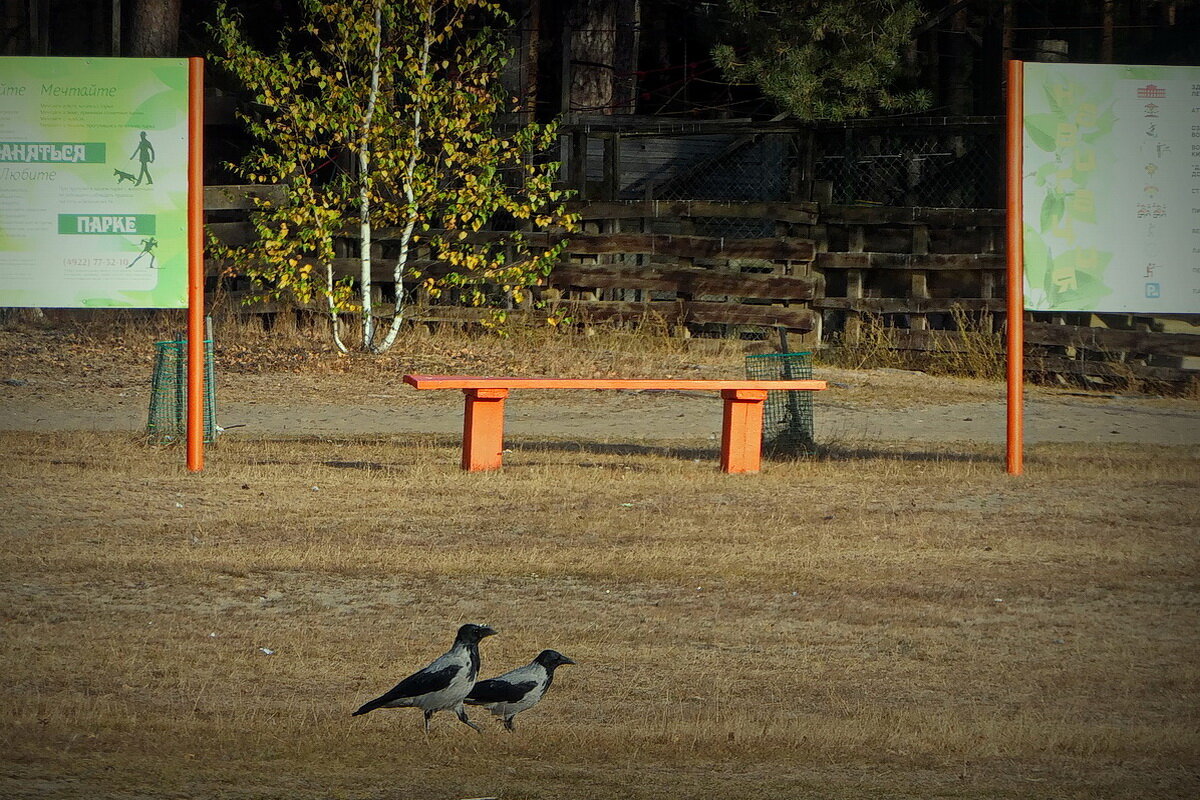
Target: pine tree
{"type": "Point", "coordinates": [823, 59]}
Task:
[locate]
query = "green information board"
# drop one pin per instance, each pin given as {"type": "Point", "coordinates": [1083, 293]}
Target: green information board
{"type": "Point", "coordinates": [1111, 188]}
{"type": "Point", "coordinates": [93, 182]}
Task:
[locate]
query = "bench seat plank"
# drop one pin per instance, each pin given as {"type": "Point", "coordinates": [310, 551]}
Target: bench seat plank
{"type": "Point", "coordinates": [467, 382]}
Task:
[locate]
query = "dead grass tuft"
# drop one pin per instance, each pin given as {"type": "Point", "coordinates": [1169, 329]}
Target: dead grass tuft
{"type": "Point", "coordinates": [973, 350]}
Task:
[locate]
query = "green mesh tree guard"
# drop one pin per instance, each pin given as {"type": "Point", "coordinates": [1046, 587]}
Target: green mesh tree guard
{"type": "Point", "coordinates": [787, 416]}
{"type": "Point", "coordinates": [168, 394]}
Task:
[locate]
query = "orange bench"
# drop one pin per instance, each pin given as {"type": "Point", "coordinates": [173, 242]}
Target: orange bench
{"type": "Point", "coordinates": [483, 420]}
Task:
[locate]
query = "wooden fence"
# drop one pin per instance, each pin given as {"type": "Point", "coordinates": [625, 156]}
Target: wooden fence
{"type": "Point", "coordinates": [827, 269]}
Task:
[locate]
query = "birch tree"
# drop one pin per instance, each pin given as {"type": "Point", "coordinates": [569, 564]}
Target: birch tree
{"type": "Point", "coordinates": [386, 114]}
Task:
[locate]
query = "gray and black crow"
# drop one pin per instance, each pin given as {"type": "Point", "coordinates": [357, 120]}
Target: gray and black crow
{"type": "Point", "coordinates": [444, 684]}
{"type": "Point", "coordinates": [513, 692]}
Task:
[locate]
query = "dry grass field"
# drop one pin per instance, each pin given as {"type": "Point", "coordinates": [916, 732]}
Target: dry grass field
{"type": "Point", "coordinates": [899, 621]}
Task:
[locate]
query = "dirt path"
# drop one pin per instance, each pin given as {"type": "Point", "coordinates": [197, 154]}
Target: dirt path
{"type": "Point", "coordinates": [875, 405]}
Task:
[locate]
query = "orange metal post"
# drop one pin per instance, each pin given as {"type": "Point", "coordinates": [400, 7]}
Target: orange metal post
{"type": "Point", "coordinates": [195, 239]}
{"type": "Point", "coordinates": [483, 429]}
{"type": "Point", "coordinates": [741, 430]}
{"type": "Point", "coordinates": [1015, 249]}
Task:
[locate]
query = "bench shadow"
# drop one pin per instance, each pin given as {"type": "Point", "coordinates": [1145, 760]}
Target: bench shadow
{"type": "Point", "coordinates": [614, 449]}
{"type": "Point", "coordinates": [821, 453]}
{"type": "Point", "coordinates": [834, 452]}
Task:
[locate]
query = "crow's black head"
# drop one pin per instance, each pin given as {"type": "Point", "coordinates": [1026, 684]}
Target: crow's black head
{"type": "Point", "coordinates": [472, 634]}
{"type": "Point", "coordinates": [551, 659]}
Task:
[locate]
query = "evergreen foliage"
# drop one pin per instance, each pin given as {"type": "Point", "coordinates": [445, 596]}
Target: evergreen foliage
{"type": "Point", "coordinates": [823, 59]}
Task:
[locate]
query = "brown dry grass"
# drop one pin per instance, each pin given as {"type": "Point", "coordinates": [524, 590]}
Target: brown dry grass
{"type": "Point", "coordinates": [908, 623]}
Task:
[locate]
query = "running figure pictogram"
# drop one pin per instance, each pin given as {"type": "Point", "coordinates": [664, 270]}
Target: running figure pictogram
{"type": "Point", "coordinates": [148, 246]}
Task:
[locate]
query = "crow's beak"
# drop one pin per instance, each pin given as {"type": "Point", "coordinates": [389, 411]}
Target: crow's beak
{"type": "Point", "coordinates": [487, 631]}
{"type": "Point", "coordinates": [566, 660]}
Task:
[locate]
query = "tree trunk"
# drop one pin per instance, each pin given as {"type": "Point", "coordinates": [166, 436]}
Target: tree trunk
{"type": "Point", "coordinates": [1106, 39]}
{"type": "Point", "coordinates": [592, 33]}
{"type": "Point", "coordinates": [155, 28]}
{"type": "Point", "coordinates": [364, 191]}
{"type": "Point", "coordinates": [533, 44]}
{"type": "Point", "coordinates": [625, 56]}
{"type": "Point", "coordinates": [960, 65]}
{"type": "Point", "coordinates": [410, 223]}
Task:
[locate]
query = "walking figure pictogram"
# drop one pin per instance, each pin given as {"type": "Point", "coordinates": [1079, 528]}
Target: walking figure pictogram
{"type": "Point", "coordinates": [145, 154]}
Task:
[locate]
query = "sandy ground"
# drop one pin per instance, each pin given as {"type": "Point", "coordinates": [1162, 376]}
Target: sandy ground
{"type": "Point", "coordinates": [860, 406]}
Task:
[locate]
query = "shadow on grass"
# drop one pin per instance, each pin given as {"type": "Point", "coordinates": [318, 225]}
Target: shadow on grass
{"type": "Point", "coordinates": [819, 453]}
{"type": "Point", "coordinates": [838, 452]}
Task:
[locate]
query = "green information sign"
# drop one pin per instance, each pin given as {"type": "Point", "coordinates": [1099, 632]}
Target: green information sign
{"type": "Point", "coordinates": [93, 182]}
{"type": "Point", "coordinates": [1111, 188]}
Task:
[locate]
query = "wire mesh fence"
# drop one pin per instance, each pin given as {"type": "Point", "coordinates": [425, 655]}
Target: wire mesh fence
{"type": "Point", "coordinates": [952, 162]}
{"type": "Point", "coordinates": [951, 166]}
{"type": "Point", "coordinates": [787, 415]}
{"type": "Point", "coordinates": [167, 420]}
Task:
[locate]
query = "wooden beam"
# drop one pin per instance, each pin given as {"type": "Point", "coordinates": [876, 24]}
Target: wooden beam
{"type": "Point", "coordinates": [908, 215]}
{"type": "Point", "coordinates": [781, 248]}
{"type": "Point", "coordinates": [692, 281]}
{"type": "Point", "coordinates": [939, 261]}
{"type": "Point", "coordinates": [1111, 340]}
{"type": "Point", "coordinates": [907, 305]}
{"type": "Point", "coordinates": [683, 312]}
{"type": "Point", "coordinates": [1104, 369]}
{"type": "Point", "coordinates": [800, 213]}
{"type": "Point", "coordinates": [235, 198]}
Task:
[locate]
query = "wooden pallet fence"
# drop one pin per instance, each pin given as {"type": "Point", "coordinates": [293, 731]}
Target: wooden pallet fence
{"type": "Point", "coordinates": [652, 252]}
{"type": "Point", "coordinates": [907, 264]}
{"type": "Point", "coordinates": [827, 269]}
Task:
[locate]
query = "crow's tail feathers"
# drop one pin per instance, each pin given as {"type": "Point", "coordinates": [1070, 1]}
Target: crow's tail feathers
{"type": "Point", "coordinates": [368, 707]}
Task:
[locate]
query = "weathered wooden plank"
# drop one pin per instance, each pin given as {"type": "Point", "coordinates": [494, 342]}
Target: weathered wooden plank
{"type": "Point", "coordinates": [795, 319]}
{"type": "Point", "coordinates": [781, 248]}
{"type": "Point", "coordinates": [232, 233]}
{"type": "Point", "coordinates": [1104, 369]}
{"type": "Point", "coordinates": [907, 215]}
{"type": "Point", "coordinates": [686, 281]}
{"type": "Point", "coordinates": [804, 213]}
{"type": "Point", "coordinates": [906, 305]}
{"type": "Point", "coordinates": [671, 312]}
{"type": "Point", "coordinates": [778, 248]}
{"type": "Point", "coordinates": [235, 198]}
{"type": "Point", "coordinates": [1110, 340]}
{"type": "Point", "coordinates": [965, 261]}
{"type": "Point", "coordinates": [382, 270]}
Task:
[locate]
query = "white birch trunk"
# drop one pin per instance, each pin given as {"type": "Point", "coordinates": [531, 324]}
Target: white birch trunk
{"type": "Point", "coordinates": [335, 323]}
{"type": "Point", "coordinates": [406, 233]}
{"type": "Point", "coordinates": [364, 194]}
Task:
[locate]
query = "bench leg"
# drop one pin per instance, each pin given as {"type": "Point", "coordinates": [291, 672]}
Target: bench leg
{"type": "Point", "coordinates": [483, 429]}
{"type": "Point", "coordinates": [741, 431]}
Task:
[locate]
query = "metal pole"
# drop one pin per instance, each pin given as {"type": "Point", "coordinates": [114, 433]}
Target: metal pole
{"type": "Point", "coordinates": [1015, 250]}
{"type": "Point", "coordinates": [195, 235]}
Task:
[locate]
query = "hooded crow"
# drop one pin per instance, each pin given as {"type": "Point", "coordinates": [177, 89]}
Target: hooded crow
{"type": "Point", "coordinates": [444, 684]}
{"type": "Point", "coordinates": [515, 691]}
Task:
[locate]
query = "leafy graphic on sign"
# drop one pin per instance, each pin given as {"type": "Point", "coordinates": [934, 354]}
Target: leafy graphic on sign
{"type": "Point", "coordinates": [1063, 269]}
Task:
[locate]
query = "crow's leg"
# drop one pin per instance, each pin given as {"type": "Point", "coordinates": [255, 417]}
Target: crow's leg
{"type": "Point", "coordinates": [428, 714]}
{"type": "Point", "coordinates": [462, 717]}
{"type": "Point", "coordinates": [508, 723]}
